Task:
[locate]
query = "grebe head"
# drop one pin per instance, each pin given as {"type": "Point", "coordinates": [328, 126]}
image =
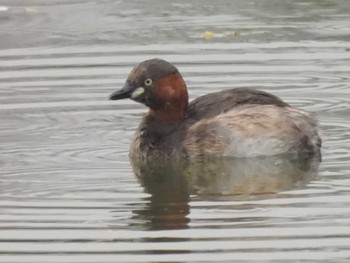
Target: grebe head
{"type": "Point", "coordinates": [158, 85]}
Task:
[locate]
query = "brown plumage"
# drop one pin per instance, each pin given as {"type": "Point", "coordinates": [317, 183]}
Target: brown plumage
{"type": "Point", "coordinates": [237, 122]}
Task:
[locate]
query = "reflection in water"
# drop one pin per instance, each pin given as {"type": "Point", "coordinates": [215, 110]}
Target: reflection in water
{"type": "Point", "coordinates": [171, 182]}
{"type": "Point", "coordinates": [169, 189]}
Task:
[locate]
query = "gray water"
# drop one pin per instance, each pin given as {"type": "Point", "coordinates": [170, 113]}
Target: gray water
{"type": "Point", "coordinates": [67, 190]}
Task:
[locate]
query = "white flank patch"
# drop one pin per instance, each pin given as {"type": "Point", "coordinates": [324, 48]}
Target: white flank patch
{"type": "Point", "coordinates": [252, 147]}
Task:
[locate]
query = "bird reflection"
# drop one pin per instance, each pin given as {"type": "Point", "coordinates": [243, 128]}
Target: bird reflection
{"type": "Point", "coordinates": [172, 182]}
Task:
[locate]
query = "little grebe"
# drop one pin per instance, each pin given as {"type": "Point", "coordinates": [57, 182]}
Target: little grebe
{"type": "Point", "coordinates": [238, 122]}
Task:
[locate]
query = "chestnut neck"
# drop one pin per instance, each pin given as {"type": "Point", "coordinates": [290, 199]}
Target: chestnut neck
{"type": "Point", "coordinates": [171, 114]}
{"type": "Point", "coordinates": [171, 91]}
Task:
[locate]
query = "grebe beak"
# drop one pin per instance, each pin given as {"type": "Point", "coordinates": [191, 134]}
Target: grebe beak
{"type": "Point", "coordinates": [123, 93]}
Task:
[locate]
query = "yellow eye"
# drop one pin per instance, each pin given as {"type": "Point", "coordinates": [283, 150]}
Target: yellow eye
{"type": "Point", "coordinates": [148, 82]}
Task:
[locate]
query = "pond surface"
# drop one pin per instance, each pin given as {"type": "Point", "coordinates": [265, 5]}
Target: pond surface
{"type": "Point", "coordinates": [67, 190]}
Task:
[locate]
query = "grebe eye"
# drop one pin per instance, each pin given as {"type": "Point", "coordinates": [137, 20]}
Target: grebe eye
{"type": "Point", "coordinates": [148, 82]}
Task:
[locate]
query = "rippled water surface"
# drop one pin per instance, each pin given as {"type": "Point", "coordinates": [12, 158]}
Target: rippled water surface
{"type": "Point", "coordinates": [67, 190]}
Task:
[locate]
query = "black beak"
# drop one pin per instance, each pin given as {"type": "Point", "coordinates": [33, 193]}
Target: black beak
{"type": "Point", "coordinates": [123, 93]}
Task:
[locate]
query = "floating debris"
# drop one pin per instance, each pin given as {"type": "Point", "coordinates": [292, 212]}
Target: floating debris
{"type": "Point", "coordinates": [31, 10]}
{"type": "Point", "coordinates": [208, 35]}
{"type": "Point", "coordinates": [232, 34]}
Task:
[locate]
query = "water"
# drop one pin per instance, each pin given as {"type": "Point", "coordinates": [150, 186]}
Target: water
{"type": "Point", "coordinates": [67, 190]}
